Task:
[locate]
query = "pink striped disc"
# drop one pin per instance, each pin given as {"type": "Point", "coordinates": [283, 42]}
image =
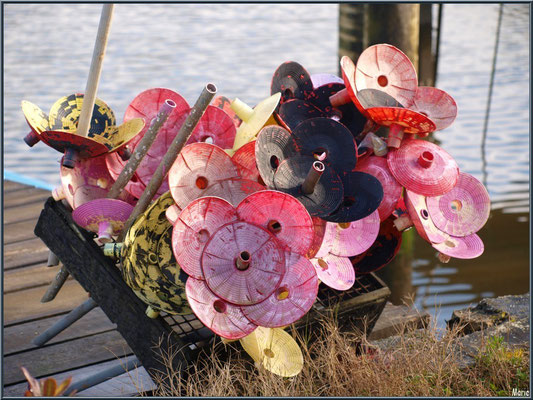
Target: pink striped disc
{"type": "Point", "coordinates": [387, 68]}
{"type": "Point", "coordinates": [392, 190]}
{"type": "Point", "coordinates": [463, 210]}
{"type": "Point", "coordinates": [198, 167]}
{"type": "Point", "coordinates": [115, 165]}
{"type": "Point", "coordinates": [146, 105]}
{"type": "Point", "coordinates": [436, 179]}
{"type": "Point", "coordinates": [244, 159]}
{"type": "Point", "coordinates": [89, 215]}
{"type": "Point", "coordinates": [291, 300]}
{"type": "Point", "coordinates": [282, 215]}
{"type": "Point", "coordinates": [348, 75]}
{"type": "Point", "coordinates": [418, 212]}
{"type": "Point", "coordinates": [225, 319]}
{"type": "Point", "coordinates": [263, 273]}
{"type": "Point", "coordinates": [470, 246]}
{"type": "Point", "coordinates": [319, 230]}
{"type": "Point", "coordinates": [233, 190]}
{"type": "Point", "coordinates": [352, 238]}
{"type": "Point", "coordinates": [334, 271]}
{"type": "Point", "coordinates": [215, 127]}
{"type": "Point", "coordinates": [195, 225]}
{"type": "Point", "coordinates": [436, 104]}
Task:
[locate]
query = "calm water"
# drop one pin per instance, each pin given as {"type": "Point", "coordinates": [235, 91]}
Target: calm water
{"type": "Point", "coordinates": [47, 52]}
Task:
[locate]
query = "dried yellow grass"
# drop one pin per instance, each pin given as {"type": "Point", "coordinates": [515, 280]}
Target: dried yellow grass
{"type": "Point", "coordinates": [418, 363]}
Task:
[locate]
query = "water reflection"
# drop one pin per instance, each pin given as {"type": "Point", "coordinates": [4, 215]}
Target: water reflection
{"type": "Point", "coordinates": [238, 47]}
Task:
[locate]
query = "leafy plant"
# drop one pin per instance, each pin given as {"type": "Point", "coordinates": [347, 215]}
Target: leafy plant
{"type": "Point", "coordinates": [45, 388]}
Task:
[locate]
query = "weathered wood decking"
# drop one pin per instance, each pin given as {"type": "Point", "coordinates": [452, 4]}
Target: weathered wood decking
{"type": "Point", "coordinates": [88, 346]}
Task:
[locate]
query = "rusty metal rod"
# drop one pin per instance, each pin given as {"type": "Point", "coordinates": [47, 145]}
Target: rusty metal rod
{"type": "Point", "coordinates": [56, 285]}
{"type": "Point", "coordinates": [172, 153]}
{"type": "Point", "coordinates": [312, 178]}
{"type": "Point", "coordinates": [141, 149]}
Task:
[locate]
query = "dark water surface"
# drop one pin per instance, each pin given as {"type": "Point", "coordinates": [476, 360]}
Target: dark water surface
{"type": "Point", "coordinates": [47, 53]}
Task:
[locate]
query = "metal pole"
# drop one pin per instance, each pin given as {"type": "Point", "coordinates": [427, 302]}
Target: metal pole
{"type": "Point", "coordinates": [122, 367]}
{"type": "Point", "coordinates": [65, 322]}
{"type": "Point", "coordinates": [58, 282]}
{"type": "Point", "coordinates": [489, 99]}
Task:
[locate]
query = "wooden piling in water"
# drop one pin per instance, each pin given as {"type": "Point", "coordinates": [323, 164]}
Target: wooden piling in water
{"type": "Point", "coordinates": [426, 59]}
{"type": "Point", "coordinates": [396, 24]}
{"type": "Point", "coordinates": [351, 30]}
{"type": "Point", "coordinates": [406, 26]}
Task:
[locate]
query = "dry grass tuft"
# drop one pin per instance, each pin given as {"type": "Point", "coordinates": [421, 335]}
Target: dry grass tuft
{"type": "Point", "coordinates": [417, 363]}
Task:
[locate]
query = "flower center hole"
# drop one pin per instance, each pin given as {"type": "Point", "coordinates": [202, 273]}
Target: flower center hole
{"type": "Point", "coordinates": [243, 261]}
{"type": "Point", "coordinates": [274, 226]}
{"type": "Point", "coordinates": [201, 182]}
{"type": "Point", "coordinates": [268, 353]}
{"type": "Point", "coordinates": [383, 81]}
{"type": "Point", "coordinates": [152, 258]}
{"type": "Point", "coordinates": [288, 93]}
{"type": "Point", "coordinates": [203, 235]}
{"type": "Point", "coordinates": [322, 264]}
{"type": "Point", "coordinates": [274, 162]}
{"type": "Point", "coordinates": [219, 306]}
{"type": "Point", "coordinates": [456, 205]}
{"type": "Point", "coordinates": [282, 293]}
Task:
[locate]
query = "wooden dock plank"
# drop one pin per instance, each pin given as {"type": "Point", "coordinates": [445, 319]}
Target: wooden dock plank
{"type": "Point", "coordinates": [65, 356]}
{"type": "Point", "coordinates": [139, 375]}
{"type": "Point", "coordinates": [126, 385]}
{"type": "Point", "coordinates": [26, 305]}
{"type": "Point", "coordinates": [18, 337]}
{"type": "Point", "coordinates": [25, 252]}
{"type": "Point", "coordinates": [11, 186]}
{"type": "Point", "coordinates": [29, 277]}
{"type": "Point", "coordinates": [18, 231]}
{"type": "Point", "coordinates": [26, 196]}
{"type": "Point", "coordinates": [24, 212]}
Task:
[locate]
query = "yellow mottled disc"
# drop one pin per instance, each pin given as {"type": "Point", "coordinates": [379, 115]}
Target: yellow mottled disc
{"type": "Point", "coordinates": [118, 136]}
{"type": "Point", "coordinates": [65, 114]}
{"type": "Point", "coordinates": [252, 124]}
{"type": "Point", "coordinates": [36, 117]}
{"type": "Point", "coordinates": [275, 349]}
{"type": "Point", "coordinates": [149, 266]}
